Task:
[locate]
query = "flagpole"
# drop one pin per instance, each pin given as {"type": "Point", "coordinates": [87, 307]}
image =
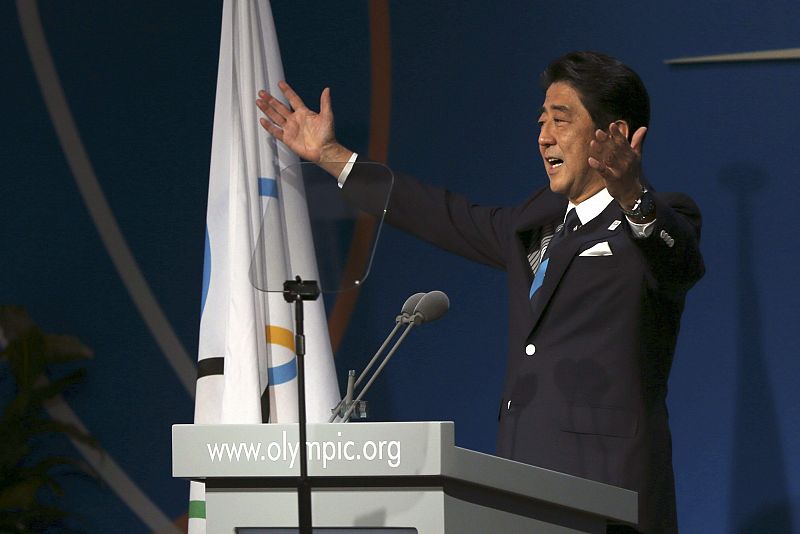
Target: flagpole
{"type": "Point", "coordinates": [296, 291]}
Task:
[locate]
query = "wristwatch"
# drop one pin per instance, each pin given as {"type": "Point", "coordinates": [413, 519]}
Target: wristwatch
{"type": "Point", "coordinates": [642, 208]}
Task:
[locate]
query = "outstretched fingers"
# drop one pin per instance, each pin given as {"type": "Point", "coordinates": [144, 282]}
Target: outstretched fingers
{"type": "Point", "coordinates": [602, 152]}
{"type": "Point", "coordinates": [612, 155]}
{"type": "Point", "coordinates": [275, 120]}
{"type": "Point", "coordinates": [278, 114]}
{"type": "Point", "coordinates": [274, 113]}
{"type": "Point", "coordinates": [325, 106]}
{"type": "Point", "coordinates": [605, 168]}
{"type": "Point", "coordinates": [637, 141]}
{"type": "Point", "coordinates": [269, 126]}
{"type": "Point", "coordinates": [294, 99]}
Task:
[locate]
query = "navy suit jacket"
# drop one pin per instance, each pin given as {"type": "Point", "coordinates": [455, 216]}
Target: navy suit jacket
{"type": "Point", "coordinates": [591, 398]}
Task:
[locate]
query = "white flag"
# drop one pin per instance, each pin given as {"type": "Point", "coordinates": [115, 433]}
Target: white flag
{"type": "Point", "coordinates": [246, 352]}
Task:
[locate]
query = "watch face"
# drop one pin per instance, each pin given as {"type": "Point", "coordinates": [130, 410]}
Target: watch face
{"type": "Point", "coordinates": [647, 204]}
{"type": "Point", "coordinates": [644, 206]}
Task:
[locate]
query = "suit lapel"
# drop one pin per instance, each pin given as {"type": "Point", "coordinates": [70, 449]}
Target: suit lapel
{"type": "Point", "coordinates": [598, 229]}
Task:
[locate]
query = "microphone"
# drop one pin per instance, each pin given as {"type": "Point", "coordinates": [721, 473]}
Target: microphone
{"type": "Point", "coordinates": [405, 317]}
{"type": "Point", "coordinates": [431, 306]}
{"type": "Point", "coordinates": [409, 306]}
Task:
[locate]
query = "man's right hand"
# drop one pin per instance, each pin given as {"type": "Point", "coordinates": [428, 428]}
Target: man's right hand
{"type": "Point", "coordinates": [308, 134]}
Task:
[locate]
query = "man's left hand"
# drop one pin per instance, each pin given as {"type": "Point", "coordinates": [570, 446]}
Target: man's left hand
{"type": "Point", "coordinates": [619, 162]}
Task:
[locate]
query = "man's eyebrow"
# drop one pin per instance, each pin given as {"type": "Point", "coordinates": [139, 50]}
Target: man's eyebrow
{"type": "Point", "coordinates": [555, 107]}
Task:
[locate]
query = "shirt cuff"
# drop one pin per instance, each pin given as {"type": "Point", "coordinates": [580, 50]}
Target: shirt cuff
{"type": "Point", "coordinates": [640, 231]}
{"type": "Point", "coordinates": [346, 171]}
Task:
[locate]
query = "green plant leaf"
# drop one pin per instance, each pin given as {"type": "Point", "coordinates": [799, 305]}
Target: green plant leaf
{"type": "Point", "coordinates": [20, 493]}
{"type": "Point", "coordinates": [27, 357]}
{"type": "Point", "coordinates": [46, 389]}
{"type": "Point", "coordinates": [61, 349]}
{"type": "Point", "coordinates": [15, 321]}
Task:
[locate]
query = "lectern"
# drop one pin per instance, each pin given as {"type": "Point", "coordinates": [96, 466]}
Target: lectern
{"type": "Point", "coordinates": [383, 478]}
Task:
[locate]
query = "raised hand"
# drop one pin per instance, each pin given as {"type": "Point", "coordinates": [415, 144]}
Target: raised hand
{"type": "Point", "coordinates": [619, 162]}
{"type": "Point", "coordinates": [308, 134]}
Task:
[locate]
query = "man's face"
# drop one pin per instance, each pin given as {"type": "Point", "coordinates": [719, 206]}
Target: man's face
{"type": "Point", "coordinates": [566, 129]}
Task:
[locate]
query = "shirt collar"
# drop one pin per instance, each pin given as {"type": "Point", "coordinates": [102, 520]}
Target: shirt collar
{"type": "Point", "coordinates": [592, 206]}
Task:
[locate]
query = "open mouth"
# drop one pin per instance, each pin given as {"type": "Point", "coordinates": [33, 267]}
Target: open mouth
{"type": "Point", "coordinates": [555, 162]}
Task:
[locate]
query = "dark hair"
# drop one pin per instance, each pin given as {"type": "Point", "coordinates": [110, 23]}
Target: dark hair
{"type": "Point", "coordinates": [608, 89]}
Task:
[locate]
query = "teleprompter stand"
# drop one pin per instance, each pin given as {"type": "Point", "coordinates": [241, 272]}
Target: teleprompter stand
{"type": "Point", "coordinates": [296, 291]}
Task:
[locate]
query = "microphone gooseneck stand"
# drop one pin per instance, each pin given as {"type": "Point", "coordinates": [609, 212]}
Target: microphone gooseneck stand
{"type": "Point", "coordinates": [419, 308]}
{"type": "Point", "coordinates": [296, 291]}
{"type": "Point", "coordinates": [354, 404]}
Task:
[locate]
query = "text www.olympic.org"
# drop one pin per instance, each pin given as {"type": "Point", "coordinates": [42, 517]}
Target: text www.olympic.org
{"type": "Point", "coordinates": [324, 451]}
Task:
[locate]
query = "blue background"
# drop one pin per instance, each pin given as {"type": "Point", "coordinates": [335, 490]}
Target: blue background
{"type": "Point", "coordinates": [140, 79]}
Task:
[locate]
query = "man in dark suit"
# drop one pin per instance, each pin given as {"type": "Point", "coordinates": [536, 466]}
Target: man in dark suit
{"type": "Point", "coordinates": [598, 267]}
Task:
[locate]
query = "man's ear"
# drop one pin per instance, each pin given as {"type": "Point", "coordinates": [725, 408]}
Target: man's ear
{"type": "Point", "coordinates": [623, 127]}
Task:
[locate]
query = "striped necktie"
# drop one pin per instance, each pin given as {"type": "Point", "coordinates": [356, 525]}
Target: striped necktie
{"type": "Point", "coordinates": [539, 263]}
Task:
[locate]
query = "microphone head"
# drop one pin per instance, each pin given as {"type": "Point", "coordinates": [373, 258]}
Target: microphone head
{"type": "Point", "coordinates": [411, 303]}
{"type": "Point", "coordinates": [432, 306]}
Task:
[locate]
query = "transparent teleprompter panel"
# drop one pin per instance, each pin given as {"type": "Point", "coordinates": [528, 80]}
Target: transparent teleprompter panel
{"type": "Point", "coordinates": [312, 228]}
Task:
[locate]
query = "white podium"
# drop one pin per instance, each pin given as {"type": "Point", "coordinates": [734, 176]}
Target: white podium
{"type": "Point", "coordinates": [380, 478]}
